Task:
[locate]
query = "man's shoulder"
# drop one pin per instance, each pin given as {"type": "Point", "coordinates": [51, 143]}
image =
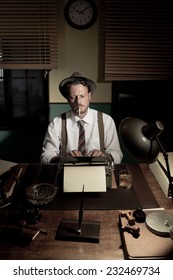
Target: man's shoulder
{"type": "Point", "coordinates": [59, 117]}
{"type": "Point", "coordinates": [105, 115]}
{"type": "Point", "coordinates": [62, 115]}
{"type": "Point", "coordinates": [94, 111]}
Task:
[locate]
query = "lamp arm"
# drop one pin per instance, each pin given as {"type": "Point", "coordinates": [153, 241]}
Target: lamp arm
{"type": "Point", "coordinates": [165, 155]}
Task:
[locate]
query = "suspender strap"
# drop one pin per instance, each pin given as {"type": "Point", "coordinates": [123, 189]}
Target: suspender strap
{"type": "Point", "coordinates": [64, 133]}
{"type": "Point", "coordinates": [101, 131]}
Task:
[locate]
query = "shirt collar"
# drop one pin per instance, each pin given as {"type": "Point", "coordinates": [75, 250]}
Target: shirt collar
{"type": "Point", "coordinates": [86, 119]}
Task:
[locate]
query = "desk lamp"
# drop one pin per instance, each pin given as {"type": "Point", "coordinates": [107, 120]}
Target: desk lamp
{"type": "Point", "coordinates": [141, 140]}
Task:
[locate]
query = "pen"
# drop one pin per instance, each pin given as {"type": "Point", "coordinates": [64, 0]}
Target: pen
{"type": "Point", "coordinates": [5, 205]}
{"type": "Point", "coordinates": [43, 231]}
{"type": "Point", "coordinates": [35, 235]}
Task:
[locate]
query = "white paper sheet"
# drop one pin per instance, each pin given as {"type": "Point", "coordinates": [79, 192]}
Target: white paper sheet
{"type": "Point", "coordinates": [92, 177]}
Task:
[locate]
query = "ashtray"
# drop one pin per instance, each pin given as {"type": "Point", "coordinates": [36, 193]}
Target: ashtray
{"type": "Point", "coordinates": [40, 194]}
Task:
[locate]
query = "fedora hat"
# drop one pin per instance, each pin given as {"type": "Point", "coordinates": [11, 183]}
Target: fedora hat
{"type": "Point", "coordinates": [73, 77]}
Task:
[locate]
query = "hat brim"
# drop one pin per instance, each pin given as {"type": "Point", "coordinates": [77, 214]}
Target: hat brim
{"type": "Point", "coordinates": [62, 85]}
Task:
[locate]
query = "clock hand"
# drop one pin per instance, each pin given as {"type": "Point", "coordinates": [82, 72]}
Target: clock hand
{"type": "Point", "coordinates": [81, 12]}
{"type": "Point", "coordinates": [77, 11]}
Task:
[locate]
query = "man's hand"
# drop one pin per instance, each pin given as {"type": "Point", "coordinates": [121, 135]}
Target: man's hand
{"type": "Point", "coordinates": [75, 153]}
{"type": "Point", "coordinates": [92, 153]}
{"type": "Point", "coordinates": [96, 153]}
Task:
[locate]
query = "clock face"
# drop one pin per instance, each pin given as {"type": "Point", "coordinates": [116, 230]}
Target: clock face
{"type": "Point", "coordinates": [80, 14]}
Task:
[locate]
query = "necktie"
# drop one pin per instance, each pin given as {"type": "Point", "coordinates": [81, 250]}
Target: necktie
{"type": "Point", "coordinates": [81, 145]}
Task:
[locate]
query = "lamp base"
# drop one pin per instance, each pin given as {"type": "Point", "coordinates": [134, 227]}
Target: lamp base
{"type": "Point", "coordinates": [90, 231]}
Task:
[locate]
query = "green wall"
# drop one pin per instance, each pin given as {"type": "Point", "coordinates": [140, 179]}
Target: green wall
{"type": "Point", "coordinates": [24, 145]}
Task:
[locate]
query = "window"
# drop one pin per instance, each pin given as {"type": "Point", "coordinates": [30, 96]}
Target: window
{"type": "Point", "coordinates": [23, 98]}
{"type": "Point", "coordinates": [28, 34]}
{"type": "Point", "coordinates": [135, 40]}
{"type": "Point", "coordinates": [28, 50]}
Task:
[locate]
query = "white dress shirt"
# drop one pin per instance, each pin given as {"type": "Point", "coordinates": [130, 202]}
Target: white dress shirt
{"type": "Point", "coordinates": [52, 141]}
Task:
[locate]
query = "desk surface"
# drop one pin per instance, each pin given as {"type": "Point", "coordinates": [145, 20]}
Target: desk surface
{"type": "Point", "coordinates": [109, 246]}
{"type": "Point", "coordinates": [46, 247]}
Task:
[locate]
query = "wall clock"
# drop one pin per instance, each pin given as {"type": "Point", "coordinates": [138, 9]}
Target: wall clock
{"type": "Point", "coordinates": [80, 14]}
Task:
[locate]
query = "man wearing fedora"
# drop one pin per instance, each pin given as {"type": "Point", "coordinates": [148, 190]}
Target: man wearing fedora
{"type": "Point", "coordinates": [78, 91]}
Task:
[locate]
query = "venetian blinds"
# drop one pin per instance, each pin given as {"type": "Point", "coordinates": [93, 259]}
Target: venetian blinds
{"type": "Point", "coordinates": [135, 40]}
{"type": "Point", "coordinates": [28, 34]}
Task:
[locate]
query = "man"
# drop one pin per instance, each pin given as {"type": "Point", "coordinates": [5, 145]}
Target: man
{"type": "Point", "coordinates": [78, 91]}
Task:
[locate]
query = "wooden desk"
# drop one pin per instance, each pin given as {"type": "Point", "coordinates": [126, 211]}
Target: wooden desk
{"type": "Point", "coordinates": [46, 247]}
{"type": "Point", "coordinates": [109, 247]}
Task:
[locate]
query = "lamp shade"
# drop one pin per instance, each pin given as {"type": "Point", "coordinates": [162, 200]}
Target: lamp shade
{"type": "Point", "coordinates": [140, 138]}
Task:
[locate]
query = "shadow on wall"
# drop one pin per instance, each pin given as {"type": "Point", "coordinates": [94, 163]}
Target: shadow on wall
{"type": "Point", "coordinates": [22, 146]}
